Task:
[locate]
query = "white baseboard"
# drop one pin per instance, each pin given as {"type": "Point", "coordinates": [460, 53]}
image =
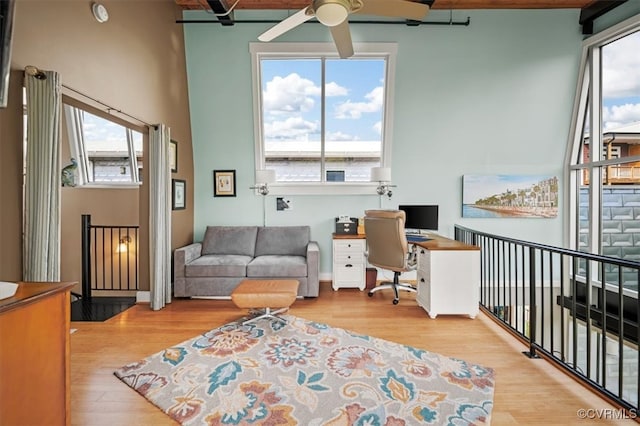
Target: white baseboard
{"type": "Point", "coordinates": [325, 276]}
{"type": "Point", "coordinates": [143, 297]}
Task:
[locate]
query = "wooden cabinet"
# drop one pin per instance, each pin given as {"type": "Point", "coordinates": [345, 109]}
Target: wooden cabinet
{"type": "Point", "coordinates": [349, 263]}
{"type": "Point", "coordinates": [34, 355]}
{"type": "Point", "coordinates": [448, 277]}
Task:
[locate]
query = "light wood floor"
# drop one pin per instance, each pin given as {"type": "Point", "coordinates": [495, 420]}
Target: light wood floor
{"type": "Point", "coordinates": [528, 392]}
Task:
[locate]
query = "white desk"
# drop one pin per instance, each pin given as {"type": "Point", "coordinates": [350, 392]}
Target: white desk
{"type": "Point", "coordinates": [448, 277]}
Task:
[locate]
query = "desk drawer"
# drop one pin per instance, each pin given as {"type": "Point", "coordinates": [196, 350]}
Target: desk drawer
{"type": "Point", "coordinates": [355, 257]}
{"type": "Point", "coordinates": [349, 244]}
{"type": "Point", "coordinates": [349, 272]}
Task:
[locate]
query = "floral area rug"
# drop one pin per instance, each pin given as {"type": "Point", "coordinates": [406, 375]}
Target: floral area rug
{"type": "Point", "coordinates": [308, 373]}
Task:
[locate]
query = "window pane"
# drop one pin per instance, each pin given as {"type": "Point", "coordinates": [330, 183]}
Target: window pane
{"type": "Point", "coordinates": [297, 143]}
{"type": "Point", "coordinates": [354, 116]}
{"type": "Point", "coordinates": [621, 107]}
{"type": "Point", "coordinates": [106, 149]}
{"type": "Point", "coordinates": [584, 155]}
{"type": "Point", "coordinates": [291, 118]}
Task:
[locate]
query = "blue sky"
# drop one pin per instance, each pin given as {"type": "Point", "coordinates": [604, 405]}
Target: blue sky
{"type": "Point", "coordinates": [291, 96]}
{"type": "Point", "coordinates": [292, 102]}
{"type": "Point", "coordinates": [621, 82]}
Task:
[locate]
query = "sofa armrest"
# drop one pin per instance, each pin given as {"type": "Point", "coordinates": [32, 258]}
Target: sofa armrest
{"type": "Point", "coordinates": [185, 255]}
{"type": "Point", "coordinates": [313, 269]}
{"type": "Point", "coordinates": [181, 257]}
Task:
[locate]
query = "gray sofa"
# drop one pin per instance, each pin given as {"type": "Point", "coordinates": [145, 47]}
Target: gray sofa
{"type": "Point", "coordinates": [229, 254]}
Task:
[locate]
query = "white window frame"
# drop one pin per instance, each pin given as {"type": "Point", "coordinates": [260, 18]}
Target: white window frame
{"type": "Point", "coordinates": [261, 51]}
{"type": "Point", "coordinates": [589, 86]}
{"type": "Point", "coordinates": [589, 83]}
{"type": "Point", "coordinates": [73, 119]}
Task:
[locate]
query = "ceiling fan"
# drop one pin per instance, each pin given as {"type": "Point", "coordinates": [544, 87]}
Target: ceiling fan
{"type": "Point", "coordinates": [334, 14]}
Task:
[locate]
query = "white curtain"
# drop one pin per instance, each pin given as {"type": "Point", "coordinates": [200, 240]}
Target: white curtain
{"type": "Point", "coordinates": [41, 257]}
{"type": "Point", "coordinates": [159, 217]}
{"type": "Point", "coordinates": [76, 141]}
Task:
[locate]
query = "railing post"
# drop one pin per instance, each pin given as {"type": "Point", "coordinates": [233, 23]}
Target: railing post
{"type": "Point", "coordinates": [86, 257]}
{"type": "Point", "coordinates": [532, 304]}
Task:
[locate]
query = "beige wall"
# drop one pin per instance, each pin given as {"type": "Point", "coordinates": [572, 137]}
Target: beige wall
{"type": "Point", "coordinates": [10, 183]}
{"type": "Point", "coordinates": [107, 207]}
{"type": "Point", "coordinates": [134, 63]}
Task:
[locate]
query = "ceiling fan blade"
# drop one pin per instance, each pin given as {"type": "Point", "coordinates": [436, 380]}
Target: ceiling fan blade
{"type": "Point", "coordinates": [287, 24]}
{"type": "Point", "coordinates": [394, 8]}
{"type": "Point", "coordinates": [342, 38]}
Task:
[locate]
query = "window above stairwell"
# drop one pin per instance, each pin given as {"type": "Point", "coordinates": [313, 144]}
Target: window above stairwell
{"type": "Point", "coordinates": [104, 150]}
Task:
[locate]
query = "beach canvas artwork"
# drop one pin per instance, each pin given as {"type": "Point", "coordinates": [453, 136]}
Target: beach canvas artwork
{"type": "Point", "coordinates": [499, 196]}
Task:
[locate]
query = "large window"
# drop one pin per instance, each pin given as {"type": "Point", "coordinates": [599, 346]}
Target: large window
{"type": "Point", "coordinates": [604, 160]}
{"type": "Point", "coordinates": [322, 121]}
{"type": "Point", "coordinates": [106, 151]}
{"type": "Point", "coordinates": [604, 206]}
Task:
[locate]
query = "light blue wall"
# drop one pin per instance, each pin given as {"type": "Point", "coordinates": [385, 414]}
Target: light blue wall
{"type": "Point", "coordinates": [492, 98]}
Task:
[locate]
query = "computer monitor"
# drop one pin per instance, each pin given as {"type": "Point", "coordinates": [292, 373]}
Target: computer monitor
{"type": "Point", "coordinates": [420, 217]}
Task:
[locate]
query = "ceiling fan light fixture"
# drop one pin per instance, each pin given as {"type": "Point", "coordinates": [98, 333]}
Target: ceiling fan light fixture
{"type": "Point", "coordinates": [332, 12]}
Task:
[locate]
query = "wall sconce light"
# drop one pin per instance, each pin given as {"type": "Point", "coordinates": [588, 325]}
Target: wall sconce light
{"type": "Point", "coordinates": [35, 72]}
{"type": "Point", "coordinates": [123, 245]}
{"type": "Point", "coordinates": [263, 179]}
{"type": "Point", "coordinates": [382, 175]}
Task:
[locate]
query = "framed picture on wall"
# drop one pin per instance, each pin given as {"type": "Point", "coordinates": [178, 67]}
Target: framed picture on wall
{"type": "Point", "coordinates": [510, 196]}
{"type": "Point", "coordinates": [178, 194]}
{"type": "Point", "coordinates": [224, 183]}
{"type": "Point", "coordinates": [173, 156]}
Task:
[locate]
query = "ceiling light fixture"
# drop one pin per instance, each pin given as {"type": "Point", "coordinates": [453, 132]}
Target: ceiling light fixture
{"type": "Point", "coordinates": [332, 12]}
{"type": "Point", "coordinates": [100, 12]}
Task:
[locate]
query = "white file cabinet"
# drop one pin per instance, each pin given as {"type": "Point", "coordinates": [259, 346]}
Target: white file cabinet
{"type": "Point", "coordinates": [349, 263]}
{"type": "Point", "coordinates": [448, 281]}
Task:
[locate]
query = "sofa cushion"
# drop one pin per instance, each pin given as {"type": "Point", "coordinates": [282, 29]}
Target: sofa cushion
{"type": "Point", "coordinates": [230, 240]}
{"type": "Point", "coordinates": [283, 240]}
{"type": "Point", "coordinates": [215, 265]}
{"type": "Point", "coordinates": [277, 266]}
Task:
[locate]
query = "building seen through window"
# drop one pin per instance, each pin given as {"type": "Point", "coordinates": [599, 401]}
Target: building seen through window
{"type": "Point", "coordinates": [106, 152]}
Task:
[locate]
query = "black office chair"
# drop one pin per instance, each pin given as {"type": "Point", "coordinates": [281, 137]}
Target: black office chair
{"type": "Point", "coordinates": [387, 248]}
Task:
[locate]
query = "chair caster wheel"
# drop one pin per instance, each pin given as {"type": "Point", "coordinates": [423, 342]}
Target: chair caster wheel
{"type": "Point", "coordinates": [395, 301]}
{"type": "Point", "coordinates": [370, 294]}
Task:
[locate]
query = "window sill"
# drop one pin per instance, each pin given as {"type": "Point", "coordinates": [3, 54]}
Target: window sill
{"type": "Point", "coordinates": [326, 188]}
{"type": "Point", "coordinates": [123, 185]}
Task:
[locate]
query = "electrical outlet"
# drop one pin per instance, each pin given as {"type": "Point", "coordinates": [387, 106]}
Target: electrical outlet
{"type": "Point", "coordinates": [283, 204]}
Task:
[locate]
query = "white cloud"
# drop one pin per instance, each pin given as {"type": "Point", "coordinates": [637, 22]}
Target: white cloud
{"type": "Point", "coordinates": [340, 136]}
{"type": "Point", "coordinates": [291, 128]}
{"type": "Point", "coordinates": [334, 89]}
{"type": "Point", "coordinates": [295, 94]}
{"type": "Point", "coordinates": [288, 94]}
{"type": "Point", "coordinates": [621, 63]}
{"type": "Point", "coordinates": [378, 127]}
{"type": "Point", "coordinates": [620, 115]}
{"type": "Point", "coordinates": [354, 110]}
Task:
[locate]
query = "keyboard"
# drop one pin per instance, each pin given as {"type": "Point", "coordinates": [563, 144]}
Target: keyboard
{"type": "Point", "coordinates": [417, 238]}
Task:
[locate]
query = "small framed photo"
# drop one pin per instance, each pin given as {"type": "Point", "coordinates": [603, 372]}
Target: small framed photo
{"type": "Point", "coordinates": [179, 194]}
{"type": "Point", "coordinates": [224, 183]}
{"type": "Point", "coordinates": [173, 156]}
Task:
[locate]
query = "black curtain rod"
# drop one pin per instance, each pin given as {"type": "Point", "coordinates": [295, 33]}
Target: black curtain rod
{"type": "Point", "coordinates": [109, 108]}
{"type": "Point", "coordinates": [409, 22]}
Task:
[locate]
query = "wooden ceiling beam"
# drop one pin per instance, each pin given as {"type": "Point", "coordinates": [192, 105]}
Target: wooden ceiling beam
{"type": "Point", "coordinates": [438, 4]}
